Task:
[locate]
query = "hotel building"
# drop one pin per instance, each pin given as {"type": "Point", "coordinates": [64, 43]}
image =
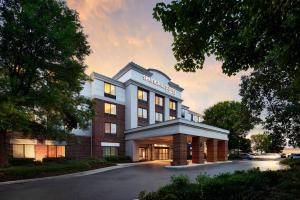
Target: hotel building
{"type": "Point", "coordinates": [139, 113]}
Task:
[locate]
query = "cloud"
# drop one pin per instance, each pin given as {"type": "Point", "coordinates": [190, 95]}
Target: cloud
{"type": "Point", "coordinates": [120, 31]}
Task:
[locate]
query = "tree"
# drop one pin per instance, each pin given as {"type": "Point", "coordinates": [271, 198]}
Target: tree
{"type": "Point", "coordinates": [42, 51]}
{"type": "Point", "coordinates": [262, 36]}
{"type": "Point", "coordinates": [232, 116]}
{"type": "Point", "coordinates": [261, 142]}
{"type": "Point", "coordinates": [245, 145]}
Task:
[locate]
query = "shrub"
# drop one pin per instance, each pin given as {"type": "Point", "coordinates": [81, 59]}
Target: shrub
{"type": "Point", "coordinates": [245, 185]}
{"type": "Point", "coordinates": [22, 161]}
{"type": "Point", "coordinates": [56, 160]}
{"type": "Point", "coordinates": [117, 159]}
{"type": "Point", "coordinates": [291, 162]}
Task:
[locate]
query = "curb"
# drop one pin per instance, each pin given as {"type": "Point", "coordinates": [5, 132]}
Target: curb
{"type": "Point", "coordinates": [196, 165]}
{"type": "Point", "coordinates": [77, 174]}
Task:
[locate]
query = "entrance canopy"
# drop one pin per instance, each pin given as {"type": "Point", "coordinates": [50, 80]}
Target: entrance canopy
{"type": "Point", "coordinates": [177, 126]}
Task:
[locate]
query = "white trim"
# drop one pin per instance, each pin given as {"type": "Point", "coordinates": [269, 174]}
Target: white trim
{"type": "Point", "coordinates": [54, 142]}
{"type": "Point", "coordinates": [110, 144]}
{"type": "Point", "coordinates": [23, 141]}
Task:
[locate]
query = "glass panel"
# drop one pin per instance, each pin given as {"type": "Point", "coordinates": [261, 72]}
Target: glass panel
{"type": "Point", "coordinates": [114, 151]}
{"type": "Point", "coordinates": [29, 151]}
{"type": "Point", "coordinates": [113, 109]}
{"type": "Point", "coordinates": [51, 151]}
{"type": "Point", "coordinates": [145, 96]}
{"type": "Point", "coordinates": [106, 151]}
{"type": "Point", "coordinates": [112, 89]}
{"type": "Point", "coordinates": [140, 112]}
{"type": "Point", "coordinates": [107, 108]}
{"type": "Point", "coordinates": [18, 151]}
{"type": "Point", "coordinates": [61, 151]}
{"type": "Point", "coordinates": [107, 88]}
{"type": "Point", "coordinates": [113, 128]}
{"type": "Point", "coordinates": [140, 94]}
{"type": "Point", "coordinates": [107, 128]}
{"type": "Point", "coordinates": [145, 114]}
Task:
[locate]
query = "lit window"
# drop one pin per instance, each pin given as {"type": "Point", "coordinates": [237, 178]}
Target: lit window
{"type": "Point", "coordinates": [142, 113]}
{"type": "Point", "coordinates": [172, 117]}
{"type": "Point", "coordinates": [109, 89]}
{"type": "Point", "coordinates": [110, 128]}
{"type": "Point", "coordinates": [172, 105]}
{"type": "Point", "coordinates": [54, 151]}
{"type": "Point", "coordinates": [158, 117]}
{"type": "Point", "coordinates": [159, 100]}
{"type": "Point", "coordinates": [110, 151]}
{"type": "Point", "coordinates": [23, 151]}
{"type": "Point", "coordinates": [110, 108]}
{"type": "Point", "coordinates": [142, 95]}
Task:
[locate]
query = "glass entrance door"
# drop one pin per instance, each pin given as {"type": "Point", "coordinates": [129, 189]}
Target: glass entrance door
{"type": "Point", "coordinates": [162, 153]}
{"type": "Point", "coordinates": [142, 154]}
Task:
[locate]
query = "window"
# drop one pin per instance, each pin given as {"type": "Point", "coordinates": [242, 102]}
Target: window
{"type": "Point", "coordinates": [158, 117]}
{"type": "Point", "coordinates": [110, 108]}
{"type": "Point", "coordinates": [110, 128]}
{"type": "Point", "coordinates": [142, 113]}
{"type": "Point", "coordinates": [159, 100]}
{"type": "Point", "coordinates": [172, 117]}
{"type": "Point", "coordinates": [172, 105]}
{"type": "Point", "coordinates": [196, 118]}
{"type": "Point", "coordinates": [142, 95]}
{"type": "Point", "coordinates": [54, 151]}
{"type": "Point", "coordinates": [109, 89]}
{"type": "Point", "coordinates": [23, 151]}
{"type": "Point", "coordinates": [110, 151]}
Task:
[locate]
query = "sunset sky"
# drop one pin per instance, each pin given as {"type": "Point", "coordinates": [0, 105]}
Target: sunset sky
{"type": "Point", "coordinates": [120, 31]}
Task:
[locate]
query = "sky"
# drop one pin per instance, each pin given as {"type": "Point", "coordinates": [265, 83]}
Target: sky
{"type": "Point", "coordinates": [120, 31]}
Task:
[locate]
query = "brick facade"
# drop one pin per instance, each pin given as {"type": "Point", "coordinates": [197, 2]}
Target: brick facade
{"type": "Point", "coordinates": [198, 149]}
{"type": "Point", "coordinates": [179, 149]}
{"type": "Point", "coordinates": [98, 134]}
{"type": "Point", "coordinates": [212, 150]}
{"type": "Point", "coordinates": [79, 148]}
{"type": "Point", "coordinates": [222, 150]}
{"type": "Point", "coordinates": [3, 155]}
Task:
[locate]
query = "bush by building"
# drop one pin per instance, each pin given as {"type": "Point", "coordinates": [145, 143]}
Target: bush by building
{"type": "Point", "coordinates": [246, 185]}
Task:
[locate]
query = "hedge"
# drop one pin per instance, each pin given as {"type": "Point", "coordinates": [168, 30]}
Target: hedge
{"type": "Point", "coordinates": [49, 168]}
{"type": "Point", "coordinates": [244, 185]}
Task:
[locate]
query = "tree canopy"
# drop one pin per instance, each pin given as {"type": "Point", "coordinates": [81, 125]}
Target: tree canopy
{"type": "Point", "coordinates": [42, 51]}
{"type": "Point", "coordinates": [232, 116]}
{"type": "Point", "coordinates": [261, 142]}
{"type": "Point", "coordinates": [259, 36]}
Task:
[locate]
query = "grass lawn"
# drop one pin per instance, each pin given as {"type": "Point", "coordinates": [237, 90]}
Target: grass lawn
{"type": "Point", "coordinates": [244, 185]}
{"type": "Point", "coordinates": [50, 168]}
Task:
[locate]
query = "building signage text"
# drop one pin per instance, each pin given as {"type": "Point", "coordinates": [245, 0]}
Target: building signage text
{"type": "Point", "coordinates": [159, 84]}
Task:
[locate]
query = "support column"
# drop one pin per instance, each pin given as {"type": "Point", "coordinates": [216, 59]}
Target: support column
{"type": "Point", "coordinates": [222, 150]}
{"type": "Point", "coordinates": [197, 149]}
{"type": "Point", "coordinates": [179, 149]}
{"type": "Point", "coordinates": [212, 148]}
{"type": "Point", "coordinates": [132, 150]}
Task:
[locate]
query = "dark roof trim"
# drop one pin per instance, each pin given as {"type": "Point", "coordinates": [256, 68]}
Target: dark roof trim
{"type": "Point", "coordinates": [101, 77]}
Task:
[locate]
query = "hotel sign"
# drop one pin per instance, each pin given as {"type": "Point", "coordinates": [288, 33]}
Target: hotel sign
{"type": "Point", "coordinates": [159, 84]}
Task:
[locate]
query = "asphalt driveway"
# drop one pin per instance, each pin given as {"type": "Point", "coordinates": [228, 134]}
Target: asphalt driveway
{"type": "Point", "coordinates": [119, 184]}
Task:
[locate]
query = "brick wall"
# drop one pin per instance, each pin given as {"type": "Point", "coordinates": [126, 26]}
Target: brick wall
{"type": "Point", "coordinates": [98, 134]}
{"type": "Point", "coordinates": [212, 150]}
{"type": "Point", "coordinates": [79, 148]}
{"type": "Point", "coordinates": [179, 149]}
{"type": "Point", "coordinates": [197, 149]}
{"type": "Point", "coordinates": [222, 150]}
{"type": "Point", "coordinates": [3, 157]}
